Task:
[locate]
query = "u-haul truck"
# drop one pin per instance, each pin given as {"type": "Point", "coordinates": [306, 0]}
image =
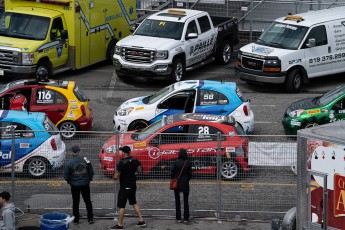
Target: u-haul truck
{"type": "Point", "coordinates": [60, 35]}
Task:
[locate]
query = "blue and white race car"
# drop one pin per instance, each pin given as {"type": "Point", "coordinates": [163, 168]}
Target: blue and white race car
{"type": "Point", "coordinates": [38, 145]}
{"type": "Point", "coordinates": [194, 96]}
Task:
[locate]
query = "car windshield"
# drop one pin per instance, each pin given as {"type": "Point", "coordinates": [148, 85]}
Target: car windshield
{"type": "Point", "coordinates": [79, 94]}
{"type": "Point", "coordinates": [159, 95]}
{"type": "Point", "coordinates": [24, 26]}
{"type": "Point", "coordinates": [331, 95]}
{"type": "Point", "coordinates": [161, 29]}
{"type": "Point", "coordinates": [5, 87]}
{"type": "Point", "coordinates": [282, 36]}
{"type": "Point", "coordinates": [150, 130]}
{"type": "Point", "coordinates": [49, 126]}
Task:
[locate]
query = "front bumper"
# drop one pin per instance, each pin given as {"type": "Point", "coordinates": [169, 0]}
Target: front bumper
{"type": "Point", "coordinates": [120, 123]}
{"type": "Point", "coordinates": [255, 76]}
{"type": "Point", "coordinates": [162, 68]}
{"type": "Point", "coordinates": [16, 69]}
{"type": "Point", "coordinates": [291, 126]}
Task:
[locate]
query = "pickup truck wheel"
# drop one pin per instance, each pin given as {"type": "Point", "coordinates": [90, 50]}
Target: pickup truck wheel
{"type": "Point", "coordinates": [224, 53]}
{"type": "Point", "coordinates": [293, 82]}
{"type": "Point", "coordinates": [177, 71]}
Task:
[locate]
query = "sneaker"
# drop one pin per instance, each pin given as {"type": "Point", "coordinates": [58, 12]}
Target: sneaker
{"type": "Point", "coordinates": [179, 221]}
{"type": "Point", "coordinates": [116, 227]}
{"type": "Point", "coordinates": [141, 224]}
{"type": "Point", "coordinates": [76, 221]}
{"type": "Point", "coordinates": [90, 221]}
{"type": "Point", "coordinates": [186, 221]}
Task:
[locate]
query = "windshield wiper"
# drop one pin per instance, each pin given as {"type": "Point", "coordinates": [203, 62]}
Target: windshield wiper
{"type": "Point", "coordinates": [262, 41]}
{"type": "Point", "coordinates": [23, 35]}
{"type": "Point", "coordinates": [276, 44]}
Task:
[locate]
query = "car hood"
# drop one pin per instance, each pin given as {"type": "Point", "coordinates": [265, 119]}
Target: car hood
{"type": "Point", "coordinates": [138, 101]}
{"type": "Point", "coordinates": [254, 49]}
{"type": "Point", "coordinates": [307, 103]}
{"type": "Point", "coordinates": [139, 41]}
{"type": "Point", "coordinates": [22, 44]}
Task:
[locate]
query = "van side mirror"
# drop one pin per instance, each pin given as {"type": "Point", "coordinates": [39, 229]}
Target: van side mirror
{"type": "Point", "coordinates": [311, 43]}
{"type": "Point", "coordinates": [64, 34]}
{"type": "Point", "coordinates": [192, 36]}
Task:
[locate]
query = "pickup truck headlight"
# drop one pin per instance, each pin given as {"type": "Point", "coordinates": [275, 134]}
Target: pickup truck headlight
{"type": "Point", "coordinates": [118, 50]}
{"type": "Point", "coordinates": [273, 65]}
{"type": "Point", "coordinates": [125, 111]}
{"type": "Point", "coordinates": [28, 58]}
{"type": "Point", "coordinates": [162, 54]}
{"type": "Point", "coordinates": [239, 58]}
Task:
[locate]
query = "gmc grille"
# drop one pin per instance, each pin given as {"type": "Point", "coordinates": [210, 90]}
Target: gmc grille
{"type": "Point", "coordinates": [9, 57]}
{"type": "Point", "coordinates": [251, 63]}
{"type": "Point", "coordinates": [138, 55]}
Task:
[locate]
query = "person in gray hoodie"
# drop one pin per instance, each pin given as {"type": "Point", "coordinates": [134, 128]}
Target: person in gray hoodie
{"type": "Point", "coordinates": [7, 221]}
{"type": "Point", "coordinates": [79, 173]}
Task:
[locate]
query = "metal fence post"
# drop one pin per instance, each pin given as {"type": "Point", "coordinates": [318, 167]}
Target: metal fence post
{"type": "Point", "coordinates": [117, 157]}
{"type": "Point", "coordinates": [13, 154]}
{"type": "Point", "coordinates": [219, 181]}
{"type": "Point", "coordinates": [251, 22]}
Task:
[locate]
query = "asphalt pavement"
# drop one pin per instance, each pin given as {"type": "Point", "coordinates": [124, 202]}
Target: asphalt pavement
{"type": "Point", "coordinates": [32, 222]}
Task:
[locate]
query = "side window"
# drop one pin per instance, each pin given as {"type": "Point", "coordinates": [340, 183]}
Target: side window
{"type": "Point", "coordinates": [57, 26]}
{"type": "Point", "coordinates": [319, 34]}
{"type": "Point", "coordinates": [204, 133]}
{"type": "Point", "coordinates": [210, 97]}
{"type": "Point", "coordinates": [175, 134]}
{"type": "Point", "coordinates": [339, 107]}
{"type": "Point", "coordinates": [21, 131]}
{"type": "Point", "coordinates": [178, 101]}
{"type": "Point", "coordinates": [192, 28]}
{"type": "Point", "coordinates": [204, 23]}
{"type": "Point", "coordinates": [46, 96]}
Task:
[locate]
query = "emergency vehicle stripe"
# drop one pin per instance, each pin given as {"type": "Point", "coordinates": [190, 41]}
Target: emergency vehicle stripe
{"type": "Point", "coordinates": [3, 114]}
{"type": "Point", "coordinates": [48, 45]}
{"type": "Point", "coordinates": [129, 21]}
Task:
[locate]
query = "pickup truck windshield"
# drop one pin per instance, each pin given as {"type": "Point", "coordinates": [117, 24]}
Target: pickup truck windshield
{"type": "Point", "coordinates": [161, 29]}
{"type": "Point", "coordinates": [24, 26]}
{"type": "Point", "coordinates": [283, 36]}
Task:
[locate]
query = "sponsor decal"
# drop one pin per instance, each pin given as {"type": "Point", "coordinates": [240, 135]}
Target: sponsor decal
{"type": "Point", "coordinates": [314, 111]}
{"type": "Point", "coordinates": [72, 101]}
{"type": "Point", "coordinates": [202, 117]}
{"type": "Point", "coordinates": [331, 115]}
{"type": "Point", "coordinates": [339, 195]}
{"type": "Point", "coordinates": [139, 108]}
{"type": "Point", "coordinates": [262, 50]}
{"type": "Point", "coordinates": [140, 144]}
{"type": "Point", "coordinates": [107, 158]}
{"type": "Point", "coordinates": [324, 110]}
{"type": "Point", "coordinates": [71, 115]}
{"type": "Point", "coordinates": [5, 156]}
{"type": "Point", "coordinates": [295, 123]}
{"type": "Point", "coordinates": [24, 145]}
{"type": "Point", "coordinates": [74, 107]}
{"type": "Point", "coordinates": [341, 111]}
{"type": "Point", "coordinates": [155, 153]}
{"type": "Point", "coordinates": [230, 149]}
{"type": "Point", "coordinates": [64, 83]}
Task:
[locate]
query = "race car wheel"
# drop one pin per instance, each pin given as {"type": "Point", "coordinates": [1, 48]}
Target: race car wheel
{"type": "Point", "coordinates": [310, 125]}
{"type": "Point", "coordinates": [177, 72]}
{"type": "Point", "coordinates": [229, 169]}
{"type": "Point", "coordinates": [137, 125]}
{"type": "Point", "coordinates": [68, 129]}
{"type": "Point", "coordinates": [293, 81]}
{"type": "Point", "coordinates": [37, 167]}
{"type": "Point", "coordinates": [224, 54]}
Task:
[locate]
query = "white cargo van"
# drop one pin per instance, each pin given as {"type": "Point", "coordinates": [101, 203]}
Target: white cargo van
{"type": "Point", "coordinates": [295, 48]}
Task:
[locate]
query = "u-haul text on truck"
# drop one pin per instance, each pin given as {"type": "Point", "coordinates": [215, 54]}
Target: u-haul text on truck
{"type": "Point", "coordinates": [295, 48]}
{"type": "Point", "coordinates": [60, 35]}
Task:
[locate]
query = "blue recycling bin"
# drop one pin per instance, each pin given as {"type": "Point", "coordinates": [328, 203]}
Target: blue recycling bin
{"type": "Point", "coordinates": [55, 221]}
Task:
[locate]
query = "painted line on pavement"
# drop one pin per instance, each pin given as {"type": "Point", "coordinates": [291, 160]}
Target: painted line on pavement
{"type": "Point", "coordinates": [112, 85]}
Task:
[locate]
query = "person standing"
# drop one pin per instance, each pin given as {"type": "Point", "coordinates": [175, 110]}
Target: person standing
{"type": "Point", "coordinates": [7, 221]}
{"type": "Point", "coordinates": [79, 173]}
{"type": "Point", "coordinates": [126, 170]}
{"type": "Point", "coordinates": [183, 164]}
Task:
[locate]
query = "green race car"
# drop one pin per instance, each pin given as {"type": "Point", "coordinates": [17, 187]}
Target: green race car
{"type": "Point", "coordinates": [315, 111]}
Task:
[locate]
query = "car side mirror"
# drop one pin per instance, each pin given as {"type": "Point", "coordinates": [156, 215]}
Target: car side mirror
{"type": "Point", "coordinates": [311, 43]}
{"type": "Point", "coordinates": [192, 36]}
{"type": "Point", "coordinates": [64, 34]}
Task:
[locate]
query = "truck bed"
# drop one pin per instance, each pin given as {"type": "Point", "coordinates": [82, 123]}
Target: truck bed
{"type": "Point", "coordinates": [218, 21]}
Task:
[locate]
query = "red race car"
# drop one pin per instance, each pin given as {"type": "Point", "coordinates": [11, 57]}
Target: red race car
{"type": "Point", "coordinates": [157, 145]}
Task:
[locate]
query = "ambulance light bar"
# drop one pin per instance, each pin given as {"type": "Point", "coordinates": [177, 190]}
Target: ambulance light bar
{"type": "Point", "coordinates": [294, 18]}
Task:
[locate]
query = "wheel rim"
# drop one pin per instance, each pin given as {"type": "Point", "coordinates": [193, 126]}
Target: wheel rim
{"type": "Point", "coordinates": [297, 81]}
{"type": "Point", "coordinates": [310, 125]}
{"type": "Point", "coordinates": [68, 129]}
{"type": "Point", "coordinates": [226, 53]}
{"type": "Point", "coordinates": [229, 169]}
{"type": "Point", "coordinates": [178, 71]}
{"type": "Point", "coordinates": [139, 127]}
{"type": "Point", "coordinates": [37, 167]}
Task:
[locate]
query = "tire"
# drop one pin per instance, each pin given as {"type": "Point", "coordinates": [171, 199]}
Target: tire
{"type": "Point", "coordinates": [229, 169]}
{"type": "Point", "coordinates": [224, 53]}
{"type": "Point", "coordinates": [37, 167]}
{"type": "Point", "coordinates": [111, 51]}
{"type": "Point", "coordinates": [289, 220]}
{"type": "Point", "coordinates": [45, 65]}
{"type": "Point", "coordinates": [137, 125]}
{"type": "Point", "coordinates": [310, 125]}
{"type": "Point", "coordinates": [121, 76]}
{"type": "Point", "coordinates": [68, 129]}
{"type": "Point", "coordinates": [178, 71]}
{"type": "Point", "coordinates": [293, 83]}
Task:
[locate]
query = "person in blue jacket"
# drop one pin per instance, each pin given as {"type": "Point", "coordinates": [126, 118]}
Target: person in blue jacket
{"type": "Point", "coordinates": [79, 173]}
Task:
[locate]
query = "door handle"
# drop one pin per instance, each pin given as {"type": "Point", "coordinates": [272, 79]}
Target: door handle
{"type": "Point", "coordinates": [60, 110]}
{"type": "Point", "coordinates": [329, 49]}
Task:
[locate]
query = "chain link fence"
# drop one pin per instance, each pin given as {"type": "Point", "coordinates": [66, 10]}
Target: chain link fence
{"type": "Point", "coordinates": [232, 175]}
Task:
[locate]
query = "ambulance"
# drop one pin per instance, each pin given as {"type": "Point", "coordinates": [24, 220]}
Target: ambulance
{"type": "Point", "coordinates": [61, 35]}
{"type": "Point", "coordinates": [296, 48]}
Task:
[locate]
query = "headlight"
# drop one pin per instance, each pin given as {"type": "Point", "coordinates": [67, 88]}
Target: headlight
{"type": "Point", "coordinates": [162, 54]}
{"type": "Point", "coordinates": [118, 50]}
{"type": "Point", "coordinates": [239, 57]}
{"type": "Point", "coordinates": [28, 58]}
{"type": "Point", "coordinates": [273, 65]}
{"type": "Point", "coordinates": [111, 149]}
{"type": "Point", "coordinates": [125, 111]}
{"type": "Point", "coordinates": [296, 113]}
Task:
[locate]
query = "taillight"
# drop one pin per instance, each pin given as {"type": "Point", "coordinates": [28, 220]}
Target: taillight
{"type": "Point", "coordinates": [82, 108]}
{"type": "Point", "coordinates": [53, 144]}
{"type": "Point", "coordinates": [245, 110]}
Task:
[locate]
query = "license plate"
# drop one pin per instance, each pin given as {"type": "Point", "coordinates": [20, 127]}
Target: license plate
{"type": "Point", "coordinates": [2, 72]}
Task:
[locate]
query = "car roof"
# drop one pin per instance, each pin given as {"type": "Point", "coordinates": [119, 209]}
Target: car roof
{"type": "Point", "coordinates": [21, 116]}
{"type": "Point", "coordinates": [175, 14]}
{"type": "Point", "coordinates": [31, 82]}
{"type": "Point", "coordinates": [190, 117]}
{"type": "Point", "coordinates": [205, 84]}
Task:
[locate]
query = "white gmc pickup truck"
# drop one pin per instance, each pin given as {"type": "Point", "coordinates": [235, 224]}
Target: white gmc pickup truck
{"type": "Point", "coordinates": [169, 42]}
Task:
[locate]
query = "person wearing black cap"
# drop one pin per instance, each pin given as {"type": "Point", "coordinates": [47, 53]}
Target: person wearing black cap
{"type": "Point", "coordinates": [126, 170]}
{"type": "Point", "coordinates": [79, 173]}
{"type": "Point", "coordinates": [7, 221]}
